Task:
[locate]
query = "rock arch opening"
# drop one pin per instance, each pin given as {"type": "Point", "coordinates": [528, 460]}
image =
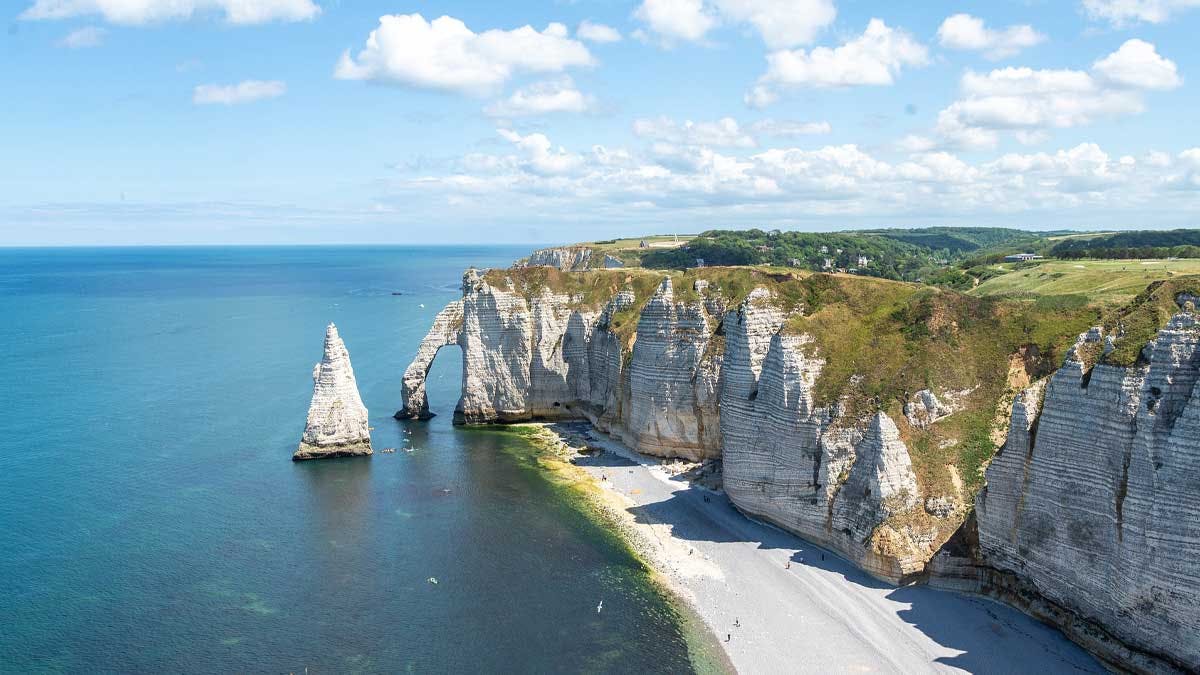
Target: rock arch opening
{"type": "Point", "coordinates": [445, 332]}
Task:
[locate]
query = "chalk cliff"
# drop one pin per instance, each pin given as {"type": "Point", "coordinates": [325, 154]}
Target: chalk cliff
{"type": "Point", "coordinates": [694, 380]}
{"type": "Point", "coordinates": [1091, 513]}
{"type": "Point", "coordinates": [548, 357]}
{"type": "Point", "coordinates": [834, 480]}
{"type": "Point", "coordinates": [571, 259]}
{"type": "Point", "coordinates": [1090, 518]}
{"type": "Point", "coordinates": [337, 419]}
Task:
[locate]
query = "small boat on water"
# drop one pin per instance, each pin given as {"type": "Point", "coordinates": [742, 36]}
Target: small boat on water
{"type": "Point", "coordinates": [388, 450]}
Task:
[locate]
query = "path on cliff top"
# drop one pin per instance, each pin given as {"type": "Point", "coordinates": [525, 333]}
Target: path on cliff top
{"type": "Point", "coordinates": [820, 614]}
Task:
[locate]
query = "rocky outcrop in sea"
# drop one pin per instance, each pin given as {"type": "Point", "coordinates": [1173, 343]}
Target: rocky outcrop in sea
{"type": "Point", "coordinates": [337, 419]}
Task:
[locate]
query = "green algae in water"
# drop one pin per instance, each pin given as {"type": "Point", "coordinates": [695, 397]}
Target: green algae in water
{"type": "Point", "coordinates": [625, 568]}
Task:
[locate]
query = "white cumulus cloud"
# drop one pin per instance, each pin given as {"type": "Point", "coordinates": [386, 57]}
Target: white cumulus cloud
{"type": "Point", "coordinates": [597, 32]}
{"type": "Point", "coordinates": [138, 12]}
{"type": "Point", "coordinates": [445, 54]}
{"type": "Point", "coordinates": [963, 31]}
{"type": "Point", "coordinates": [83, 38]}
{"type": "Point", "coordinates": [1137, 64]}
{"type": "Point", "coordinates": [242, 92]}
{"type": "Point", "coordinates": [540, 156]}
{"type": "Point", "coordinates": [1028, 101]}
{"type": "Point", "coordinates": [725, 132]}
{"type": "Point", "coordinates": [874, 58]}
{"type": "Point", "coordinates": [780, 23]}
{"type": "Point", "coordinates": [676, 20]}
{"type": "Point", "coordinates": [1125, 12]}
{"type": "Point", "coordinates": [540, 98]}
{"type": "Point", "coordinates": [790, 128]}
{"type": "Point", "coordinates": [691, 183]}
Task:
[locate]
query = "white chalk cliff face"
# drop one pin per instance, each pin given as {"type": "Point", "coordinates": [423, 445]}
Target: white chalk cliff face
{"type": "Point", "coordinates": [699, 382]}
{"type": "Point", "coordinates": [570, 259]}
{"type": "Point", "coordinates": [337, 419]}
{"type": "Point", "coordinates": [834, 481]}
{"type": "Point", "coordinates": [1091, 514]}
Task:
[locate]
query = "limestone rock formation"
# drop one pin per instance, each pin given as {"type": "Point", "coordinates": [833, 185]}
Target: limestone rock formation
{"type": "Point", "coordinates": [565, 258]}
{"type": "Point", "coordinates": [545, 358]}
{"type": "Point", "coordinates": [1091, 514]}
{"type": "Point", "coordinates": [571, 259]}
{"type": "Point", "coordinates": [445, 329]}
{"type": "Point", "coordinates": [700, 381]}
{"type": "Point", "coordinates": [337, 419]}
{"type": "Point", "coordinates": [924, 408]}
{"type": "Point", "coordinates": [1090, 518]}
{"type": "Point", "coordinates": [810, 470]}
{"type": "Point", "coordinates": [671, 396]}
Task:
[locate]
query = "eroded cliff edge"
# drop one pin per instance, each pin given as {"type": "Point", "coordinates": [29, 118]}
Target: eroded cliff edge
{"type": "Point", "coordinates": [859, 414]}
{"type": "Point", "coordinates": [1091, 513]}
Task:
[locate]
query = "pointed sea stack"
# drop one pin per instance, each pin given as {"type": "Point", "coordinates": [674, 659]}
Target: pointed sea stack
{"type": "Point", "coordinates": [337, 418]}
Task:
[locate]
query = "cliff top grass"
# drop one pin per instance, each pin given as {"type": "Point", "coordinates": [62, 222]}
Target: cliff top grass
{"type": "Point", "coordinates": [1138, 321]}
{"type": "Point", "coordinates": [1107, 282]}
{"type": "Point", "coordinates": [611, 246]}
{"type": "Point", "coordinates": [591, 290]}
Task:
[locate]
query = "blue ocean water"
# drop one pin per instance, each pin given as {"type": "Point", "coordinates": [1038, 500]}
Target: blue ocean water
{"type": "Point", "coordinates": [151, 519]}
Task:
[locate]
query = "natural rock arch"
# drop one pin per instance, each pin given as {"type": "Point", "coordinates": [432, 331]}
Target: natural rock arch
{"type": "Point", "coordinates": [445, 331]}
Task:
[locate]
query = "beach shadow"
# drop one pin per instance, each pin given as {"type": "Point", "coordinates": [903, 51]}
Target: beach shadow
{"type": "Point", "coordinates": [988, 637]}
{"type": "Point", "coordinates": [717, 520]}
{"type": "Point", "coordinates": [991, 637]}
{"type": "Point", "coordinates": [690, 517]}
{"type": "Point", "coordinates": [604, 458]}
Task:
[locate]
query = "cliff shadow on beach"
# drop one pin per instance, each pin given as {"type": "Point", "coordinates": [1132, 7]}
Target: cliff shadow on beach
{"type": "Point", "coordinates": [985, 636]}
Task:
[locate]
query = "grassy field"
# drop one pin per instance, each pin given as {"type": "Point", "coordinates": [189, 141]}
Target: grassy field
{"type": "Point", "coordinates": [1107, 282]}
{"type": "Point", "coordinates": [655, 241]}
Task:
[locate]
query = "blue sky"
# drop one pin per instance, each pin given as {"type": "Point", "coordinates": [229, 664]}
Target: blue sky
{"type": "Point", "coordinates": [313, 121]}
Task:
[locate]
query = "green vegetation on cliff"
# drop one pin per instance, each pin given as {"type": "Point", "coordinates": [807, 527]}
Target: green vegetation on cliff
{"type": "Point", "coordinates": [887, 253]}
{"type": "Point", "coordinates": [882, 341]}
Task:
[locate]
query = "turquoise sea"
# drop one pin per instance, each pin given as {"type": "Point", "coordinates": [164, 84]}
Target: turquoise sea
{"type": "Point", "coordinates": [151, 519]}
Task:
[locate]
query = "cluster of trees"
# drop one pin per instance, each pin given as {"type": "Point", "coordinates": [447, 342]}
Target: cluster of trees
{"type": "Point", "coordinates": [952, 257]}
{"type": "Point", "coordinates": [1135, 244]}
{"type": "Point", "coordinates": [891, 254]}
{"type": "Point", "coordinates": [1142, 252]}
{"type": "Point", "coordinates": [955, 241]}
{"type": "Point", "coordinates": [885, 257]}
